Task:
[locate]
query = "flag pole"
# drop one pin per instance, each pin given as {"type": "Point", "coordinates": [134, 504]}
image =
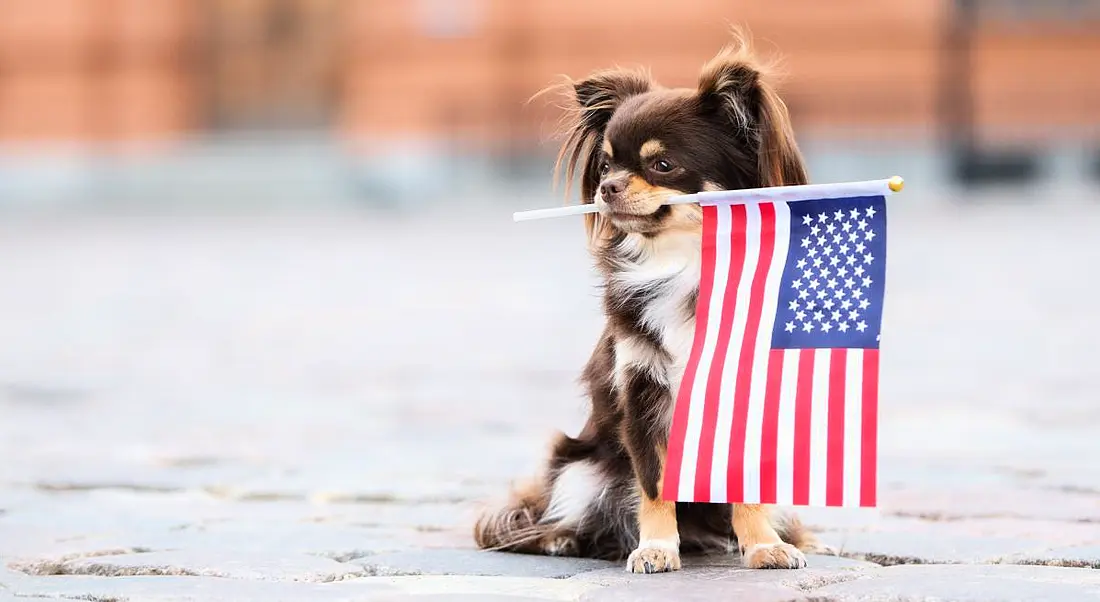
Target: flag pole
{"type": "Point", "coordinates": [802, 192]}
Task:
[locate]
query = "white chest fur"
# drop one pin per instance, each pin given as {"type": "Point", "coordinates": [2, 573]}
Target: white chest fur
{"type": "Point", "coordinates": [669, 266]}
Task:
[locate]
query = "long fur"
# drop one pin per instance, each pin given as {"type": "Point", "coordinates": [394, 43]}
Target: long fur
{"type": "Point", "coordinates": [598, 493]}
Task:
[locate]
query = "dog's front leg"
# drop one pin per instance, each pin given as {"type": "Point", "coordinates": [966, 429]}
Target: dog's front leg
{"type": "Point", "coordinates": [760, 544]}
{"type": "Point", "coordinates": [645, 435]}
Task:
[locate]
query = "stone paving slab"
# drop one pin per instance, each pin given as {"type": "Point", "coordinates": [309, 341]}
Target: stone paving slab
{"type": "Point", "coordinates": [476, 562]}
{"type": "Point", "coordinates": [959, 583]}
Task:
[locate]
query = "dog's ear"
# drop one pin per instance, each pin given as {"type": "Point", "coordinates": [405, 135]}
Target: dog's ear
{"type": "Point", "coordinates": [592, 102]}
{"type": "Point", "coordinates": [734, 84]}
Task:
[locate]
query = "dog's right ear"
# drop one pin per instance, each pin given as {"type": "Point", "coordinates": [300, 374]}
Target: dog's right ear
{"type": "Point", "coordinates": [598, 95]}
{"type": "Point", "coordinates": [592, 102]}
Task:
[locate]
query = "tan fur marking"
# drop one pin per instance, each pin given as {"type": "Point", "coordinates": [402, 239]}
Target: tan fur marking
{"type": "Point", "coordinates": [607, 147]}
{"type": "Point", "coordinates": [659, 536]}
{"type": "Point", "coordinates": [651, 149]}
{"type": "Point", "coordinates": [761, 546]}
{"type": "Point", "coordinates": [752, 525]}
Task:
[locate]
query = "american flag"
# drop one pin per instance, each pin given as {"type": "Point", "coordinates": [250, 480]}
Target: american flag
{"type": "Point", "coordinates": [779, 399]}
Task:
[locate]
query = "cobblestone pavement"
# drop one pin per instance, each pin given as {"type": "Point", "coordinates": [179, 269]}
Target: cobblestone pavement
{"type": "Point", "coordinates": [311, 407]}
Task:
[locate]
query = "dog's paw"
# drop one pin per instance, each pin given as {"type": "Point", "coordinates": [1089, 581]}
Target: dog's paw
{"type": "Point", "coordinates": [563, 545]}
{"type": "Point", "coordinates": [821, 549]}
{"type": "Point", "coordinates": [773, 556]}
{"type": "Point", "coordinates": [654, 557]}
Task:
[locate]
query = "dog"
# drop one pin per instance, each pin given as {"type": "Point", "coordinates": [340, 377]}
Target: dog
{"type": "Point", "coordinates": [636, 143]}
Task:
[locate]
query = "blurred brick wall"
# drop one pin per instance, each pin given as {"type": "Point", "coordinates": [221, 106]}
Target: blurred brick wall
{"type": "Point", "coordinates": [464, 69]}
{"type": "Point", "coordinates": [97, 69]}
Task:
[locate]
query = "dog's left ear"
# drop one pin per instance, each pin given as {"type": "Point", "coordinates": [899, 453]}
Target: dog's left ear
{"type": "Point", "coordinates": [734, 85]}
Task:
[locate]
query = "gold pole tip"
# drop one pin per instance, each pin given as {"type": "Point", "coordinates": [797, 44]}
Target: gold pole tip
{"type": "Point", "coordinates": [896, 183]}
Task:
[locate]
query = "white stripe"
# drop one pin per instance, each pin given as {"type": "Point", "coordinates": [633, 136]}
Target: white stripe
{"type": "Point", "coordinates": [724, 424]}
{"type": "Point", "coordinates": [772, 282]}
{"type": "Point", "coordinates": [853, 426]}
{"type": "Point", "coordinates": [819, 427]}
{"type": "Point", "coordinates": [784, 464]}
{"type": "Point", "coordinates": [698, 390]}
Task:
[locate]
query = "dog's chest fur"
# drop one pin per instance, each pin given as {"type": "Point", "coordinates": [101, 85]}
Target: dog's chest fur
{"type": "Point", "coordinates": [652, 287]}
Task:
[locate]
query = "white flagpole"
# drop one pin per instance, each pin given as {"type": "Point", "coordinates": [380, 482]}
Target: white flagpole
{"type": "Point", "coordinates": [804, 192]}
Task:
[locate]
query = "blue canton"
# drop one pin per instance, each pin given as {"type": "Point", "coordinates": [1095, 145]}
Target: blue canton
{"type": "Point", "coordinates": [833, 282]}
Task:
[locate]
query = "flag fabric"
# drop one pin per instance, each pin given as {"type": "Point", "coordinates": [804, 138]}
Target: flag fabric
{"type": "Point", "coordinates": [779, 399]}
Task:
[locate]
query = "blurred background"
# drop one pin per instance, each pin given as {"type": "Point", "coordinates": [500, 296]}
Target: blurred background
{"type": "Point", "coordinates": [319, 101]}
{"type": "Point", "coordinates": [266, 245]}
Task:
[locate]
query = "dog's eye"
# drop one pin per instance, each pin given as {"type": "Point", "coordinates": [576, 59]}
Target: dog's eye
{"type": "Point", "coordinates": [662, 166]}
{"type": "Point", "coordinates": [604, 168]}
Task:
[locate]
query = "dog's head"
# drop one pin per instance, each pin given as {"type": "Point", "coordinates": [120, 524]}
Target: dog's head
{"type": "Point", "coordinates": [637, 143]}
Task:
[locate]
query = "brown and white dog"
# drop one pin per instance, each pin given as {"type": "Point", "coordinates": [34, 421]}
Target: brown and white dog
{"type": "Point", "coordinates": [635, 144]}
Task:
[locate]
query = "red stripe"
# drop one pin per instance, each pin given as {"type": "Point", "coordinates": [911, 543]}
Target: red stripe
{"type": "Point", "coordinates": [735, 482]}
{"type": "Point", "coordinates": [803, 406]}
{"type": "Point", "coordinates": [869, 443]}
{"type": "Point", "coordinates": [674, 459]}
{"type": "Point", "coordinates": [769, 438]}
{"type": "Point", "coordinates": [834, 475]}
{"type": "Point", "coordinates": [718, 362]}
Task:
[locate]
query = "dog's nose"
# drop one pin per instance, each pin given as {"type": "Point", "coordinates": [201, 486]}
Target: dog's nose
{"type": "Point", "coordinates": [612, 188]}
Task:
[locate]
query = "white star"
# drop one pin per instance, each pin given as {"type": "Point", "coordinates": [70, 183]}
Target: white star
{"type": "Point", "coordinates": [807, 273]}
{"type": "Point", "coordinates": [844, 249]}
{"type": "Point", "coordinates": [846, 226]}
{"type": "Point", "coordinates": [800, 316]}
{"type": "Point", "coordinates": [849, 282]}
{"type": "Point", "coordinates": [830, 228]}
{"type": "Point", "coordinates": [801, 263]}
{"type": "Point", "coordinates": [853, 315]}
{"type": "Point", "coordinates": [824, 273]}
{"type": "Point", "coordinates": [852, 236]}
{"type": "Point", "coordinates": [821, 217]}
{"type": "Point", "coordinates": [845, 304]}
{"type": "Point", "coordinates": [838, 293]}
{"type": "Point", "coordinates": [839, 214]}
{"type": "Point", "coordinates": [826, 327]}
{"type": "Point", "coordinates": [806, 219]}
{"type": "Point", "coordinates": [842, 272]}
{"type": "Point", "coordinates": [793, 305]}
{"type": "Point", "coordinates": [827, 251]}
{"type": "Point", "coordinates": [831, 283]}
{"type": "Point", "coordinates": [803, 293]}
{"type": "Point", "coordinates": [866, 282]}
{"type": "Point", "coordinates": [814, 284]}
{"type": "Point", "coordinates": [789, 327]}
{"type": "Point", "coordinates": [810, 305]}
{"type": "Point", "coordinates": [839, 238]}
{"type": "Point", "coordinates": [828, 304]}
{"type": "Point", "coordinates": [818, 261]}
{"type": "Point", "coordinates": [868, 258]}
{"type": "Point", "coordinates": [819, 316]}
{"type": "Point", "coordinates": [861, 326]}
{"type": "Point", "coordinates": [834, 260]}
{"type": "Point", "coordinates": [796, 284]}
{"type": "Point", "coordinates": [860, 247]}
{"type": "Point", "coordinates": [843, 327]}
{"type": "Point", "coordinates": [836, 316]}
{"type": "Point", "coordinates": [859, 270]}
{"type": "Point", "coordinates": [871, 212]}
{"type": "Point", "coordinates": [821, 293]}
{"type": "Point", "coordinates": [815, 230]}
{"type": "Point", "coordinates": [870, 235]}
{"type": "Point", "coordinates": [812, 252]}
{"type": "Point", "coordinates": [807, 326]}
{"type": "Point", "coordinates": [864, 303]}
{"type": "Point", "coordinates": [821, 241]}
{"type": "Point", "coordinates": [851, 259]}
{"type": "Point", "coordinates": [857, 293]}
{"type": "Point", "coordinates": [862, 224]}
{"type": "Point", "coordinates": [806, 242]}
